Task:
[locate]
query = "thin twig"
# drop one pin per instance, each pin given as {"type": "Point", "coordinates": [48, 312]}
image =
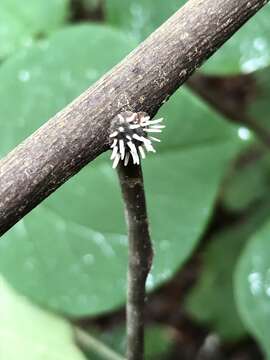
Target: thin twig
{"type": "Point", "coordinates": [89, 342]}
{"type": "Point", "coordinates": [142, 82]}
{"type": "Point", "coordinates": [140, 255]}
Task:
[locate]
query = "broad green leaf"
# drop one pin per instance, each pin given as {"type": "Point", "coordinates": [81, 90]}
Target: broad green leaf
{"type": "Point", "coordinates": [140, 17]}
{"type": "Point", "coordinates": [71, 251]}
{"type": "Point", "coordinates": [20, 23]}
{"type": "Point", "coordinates": [252, 286]}
{"type": "Point", "coordinates": [248, 50]}
{"type": "Point", "coordinates": [249, 182]}
{"type": "Point", "coordinates": [212, 301]}
{"type": "Point", "coordinates": [52, 73]}
{"type": "Point", "coordinates": [27, 332]}
{"type": "Point", "coordinates": [158, 341]}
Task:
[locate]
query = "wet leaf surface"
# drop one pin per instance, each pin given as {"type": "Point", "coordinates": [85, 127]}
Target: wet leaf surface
{"type": "Point", "coordinates": [32, 333]}
{"type": "Point", "coordinates": [252, 284]}
{"type": "Point", "coordinates": [20, 24]}
{"type": "Point", "coordinates": [212, 300]}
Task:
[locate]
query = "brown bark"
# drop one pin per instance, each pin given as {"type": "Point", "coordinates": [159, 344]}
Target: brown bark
{"type": "Point", "coordinates": [140, 255]}
{"type": "Point", "coordinates": [142, 82]}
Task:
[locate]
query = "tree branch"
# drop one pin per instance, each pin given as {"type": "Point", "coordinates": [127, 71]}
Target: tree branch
{"type": "Point", "coordinates": [142, 82]}
{"type": "Point", "coordinates": [140, 255]}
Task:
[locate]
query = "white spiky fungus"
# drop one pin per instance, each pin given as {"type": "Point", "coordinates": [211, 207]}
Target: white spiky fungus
{"type": "Point", "coordinates": [131, 136]}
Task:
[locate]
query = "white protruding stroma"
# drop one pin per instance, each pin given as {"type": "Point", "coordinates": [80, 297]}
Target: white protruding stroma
{"type": "Point", "coordinates": [128, 140]}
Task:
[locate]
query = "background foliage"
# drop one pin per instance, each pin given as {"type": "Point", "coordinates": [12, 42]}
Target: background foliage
{"type": "Point", "coordinates": [208, 184]}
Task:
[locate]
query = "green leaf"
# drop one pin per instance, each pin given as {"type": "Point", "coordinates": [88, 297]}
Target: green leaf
{"type": "Point", "coordinates": [248, 50]}
{"type": "Point", "coordinates": [71, 252]}
{"type": "Point", "coordinates": [31, 333]}
{"type": "Point", "coordinates": [258, 106]}
{"type": "Point", "coordinates": [252, 286]}
{"type": "Point", "coordinates": [249, 182]}
{"type": "Point", "coordinates": [212, 301]}
{"type": "Point", "coordinates": [47, 76]}
{"type": "Point", "coordinates": [20, 23]}
{"type": "Point", "coordinates": [140, 17]}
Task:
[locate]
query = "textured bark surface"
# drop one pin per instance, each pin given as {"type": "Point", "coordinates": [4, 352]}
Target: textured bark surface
{"type": "Point", "coordinates": [141, 82]}
{"type": "Point", "coordinates": [140, 255]}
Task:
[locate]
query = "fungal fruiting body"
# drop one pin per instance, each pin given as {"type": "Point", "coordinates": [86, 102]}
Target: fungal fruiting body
{"type": "Point", "coordinates": [131, 137]}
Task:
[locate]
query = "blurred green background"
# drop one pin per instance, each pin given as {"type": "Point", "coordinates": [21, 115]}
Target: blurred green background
{"type": "Point", "coordinates": [63, 267]}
